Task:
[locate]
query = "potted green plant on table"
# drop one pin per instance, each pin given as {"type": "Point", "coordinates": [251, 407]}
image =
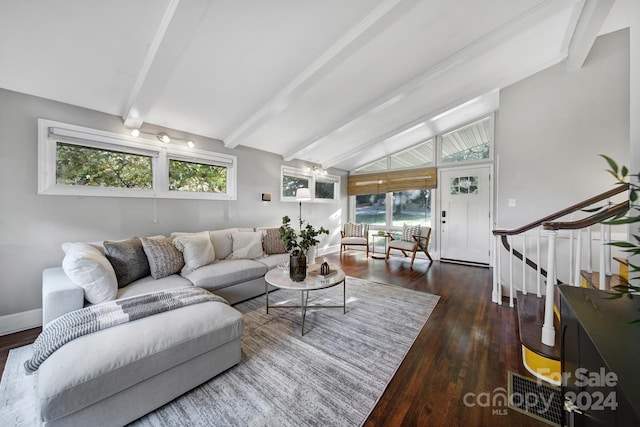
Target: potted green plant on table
{"type": "Point", "coordinates": [298, 244]}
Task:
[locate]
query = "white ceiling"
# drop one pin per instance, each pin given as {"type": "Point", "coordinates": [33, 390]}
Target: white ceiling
{"type": "Point", "coordinates": [333, 82]}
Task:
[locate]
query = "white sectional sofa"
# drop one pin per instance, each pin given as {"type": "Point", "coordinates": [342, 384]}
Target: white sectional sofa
{"type": "Point", "coordinates": [116, 375]}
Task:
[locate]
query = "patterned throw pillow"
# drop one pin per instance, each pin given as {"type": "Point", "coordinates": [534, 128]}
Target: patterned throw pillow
{"type": "Point", "coordinates": [164, 258]}
{"type": "Point", "coordinates": [408, 231]}
{"type": "Point", "coordinates": [272, 243]}
{"type": "Point", "coordinates": [128, 260]}
{"type": "Point", "coordinates": [354, 230]}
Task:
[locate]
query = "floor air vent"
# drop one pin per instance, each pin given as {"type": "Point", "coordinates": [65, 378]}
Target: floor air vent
{"type": "Point", "coordinates": [535, 399]}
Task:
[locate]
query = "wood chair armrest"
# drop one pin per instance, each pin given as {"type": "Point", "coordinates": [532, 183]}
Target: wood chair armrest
{"type": "Point", "coordinates": [390, 236]}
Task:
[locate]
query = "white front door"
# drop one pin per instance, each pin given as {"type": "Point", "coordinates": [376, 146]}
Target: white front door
{"type": "Point", "coordinates": [465, 214]}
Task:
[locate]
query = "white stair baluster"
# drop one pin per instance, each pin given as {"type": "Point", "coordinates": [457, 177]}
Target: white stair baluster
{"type": "Point", "coordinates": [510, 239]}
{"type": "Point", "coordinates": [578, 278]}
{"type": "Point", "coordinates": [571, 252]}
{"type": "Point", "coordinates": [548, 331]}
{"type": "Point", "coordinates": [496, 269]}
{"type": "Point", "coordinates": [589, 251]}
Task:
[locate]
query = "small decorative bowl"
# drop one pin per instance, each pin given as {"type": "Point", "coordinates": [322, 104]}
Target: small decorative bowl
{"type": "Point", "coordinates": [284, 266]}
{"type": "Point", "coordinates": [381, 233]}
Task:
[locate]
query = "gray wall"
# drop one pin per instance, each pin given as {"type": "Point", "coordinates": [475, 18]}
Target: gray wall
{"type": "Point", "coordinates": [549, 133]}
{"type": "Point", "coordinates": [32, 226]}
{"type": "Point", "coordinates": [551, 128]}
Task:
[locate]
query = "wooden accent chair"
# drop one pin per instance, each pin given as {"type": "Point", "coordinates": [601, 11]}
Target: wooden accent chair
{"type": "Point", "coordinates": [411, 243]}
{"type": "Point", "coordinates": [354, 235]}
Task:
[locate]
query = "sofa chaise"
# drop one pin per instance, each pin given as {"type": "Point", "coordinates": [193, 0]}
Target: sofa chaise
{"type": "Point", "coordinates": [117, 375]}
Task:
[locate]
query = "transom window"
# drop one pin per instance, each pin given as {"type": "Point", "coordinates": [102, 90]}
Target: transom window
{"type": "Point", "coordinates": [468, 143]}
{"type": "Point", "coordinates": [73, 160]}
{"type": "Point", "coordinates": [322, 186]}
{"type": "Point", "coordinates": [77, 165]}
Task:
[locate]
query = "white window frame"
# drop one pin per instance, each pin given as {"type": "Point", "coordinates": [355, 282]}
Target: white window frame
{"type": "Point", "coordinates": [312, 177]}
{"type": "Point", "coordinates": [489, 159]}
{"type": "Point", "coordinates": [51, 132]}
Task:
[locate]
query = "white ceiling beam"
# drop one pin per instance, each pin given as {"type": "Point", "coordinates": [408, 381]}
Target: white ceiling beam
{"type": "Point", "coordinates": [176, 29]}
{"type": "Point", "coordinates": [367, 29]}
{"type": "Point", "coordinates": [593, 15]}
{"type": "Point", "coordinates": [503, 34]}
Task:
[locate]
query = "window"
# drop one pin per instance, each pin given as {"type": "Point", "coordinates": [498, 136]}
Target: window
{"type": "Point", "coordinates": [86, 166]}
{"type": "Point", "coordinates": [322, 186]}
{"type": "Point", "coordinates": [325, 190]}
{"type": "Point", "coordinates": [197, 177]}
{"type": "Point", "coordinates": [291, 183]}
{"type": "Point", "coordinates": [393, 198]}
{"type": "Point", "coordinates": [411, 207]}
{"type": "Point", "coordinates": [73, 160]}
{"type": "Point", "coordinates": [418, 156]}
{"type": "Point", "coordinates": [371, 209]}
{"type": "Point", "coordinates": [468, 143]}
{"type": "Point", "coordinates": [377, 166]}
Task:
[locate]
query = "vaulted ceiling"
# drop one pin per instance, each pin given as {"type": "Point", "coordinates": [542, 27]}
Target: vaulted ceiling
{"type": "Point", "coordinates": [333, 82]}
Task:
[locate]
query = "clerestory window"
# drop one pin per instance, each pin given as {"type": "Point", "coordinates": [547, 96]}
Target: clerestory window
{"type": "Point", "coordinates": [80, 161]}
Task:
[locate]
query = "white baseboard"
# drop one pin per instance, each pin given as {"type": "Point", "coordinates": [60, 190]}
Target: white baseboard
{"type": "Point", "coordinates": [20, 321]}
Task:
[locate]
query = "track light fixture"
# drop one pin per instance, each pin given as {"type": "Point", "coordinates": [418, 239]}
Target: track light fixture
{"type": "Point", "coordinates": [162, 137]}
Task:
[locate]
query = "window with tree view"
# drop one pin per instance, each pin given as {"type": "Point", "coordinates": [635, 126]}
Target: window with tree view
{"type": "Point", "coordinates": [290, 184]}
{"type": "Point", "coordinates": [325, 190]}
{"type": "Point", "coordinates": [87, 166]}
{"type": "Point", "coordinates": [470, 142]}
{"type": "Point", "coordinates": [371, 209]}
{"type": "Point", "coordinates": [411, 207]}
{"type": "Point", "coordinates": [78, 161]}
{"type": "Point", "coordinates": [197, 177]}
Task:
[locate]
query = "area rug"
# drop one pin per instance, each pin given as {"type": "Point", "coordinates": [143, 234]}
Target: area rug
{"type": "Point", "coordinates": [331, 376]}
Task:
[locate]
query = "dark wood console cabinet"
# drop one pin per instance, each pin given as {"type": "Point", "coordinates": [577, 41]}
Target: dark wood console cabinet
{"type": "Point", "coordinates": [600, 356]}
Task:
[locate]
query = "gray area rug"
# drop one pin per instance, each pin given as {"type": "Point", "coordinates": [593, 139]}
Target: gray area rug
{"type": "Point", "coordinates": [331, 376]}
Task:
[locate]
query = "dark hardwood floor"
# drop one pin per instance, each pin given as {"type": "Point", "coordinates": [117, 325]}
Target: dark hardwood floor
{"type": "Point", "coordinates": [466, 348]}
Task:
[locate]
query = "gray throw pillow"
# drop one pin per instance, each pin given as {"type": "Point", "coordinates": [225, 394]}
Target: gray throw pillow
{"type": "Point", "coordinates": [128, 260]}
{"type": "Point", "coordinates": [164, 258]}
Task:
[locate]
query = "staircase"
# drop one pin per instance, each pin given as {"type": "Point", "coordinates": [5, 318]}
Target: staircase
{"type": "Point", "coordinates": [566, 243]}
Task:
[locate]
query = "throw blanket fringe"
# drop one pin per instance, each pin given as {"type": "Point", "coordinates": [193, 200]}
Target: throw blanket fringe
{"type": "Point", "coordinates": [105, 315]}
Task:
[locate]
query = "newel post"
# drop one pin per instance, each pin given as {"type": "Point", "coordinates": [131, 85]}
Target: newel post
{"type": "Point", "coordinates": [548, 331]}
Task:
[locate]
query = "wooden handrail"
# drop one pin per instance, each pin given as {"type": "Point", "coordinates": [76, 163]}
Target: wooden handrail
{"type": "Point", "coordinates": [611, 212]}
{"type": "Point", "coordinates": [620, 189]}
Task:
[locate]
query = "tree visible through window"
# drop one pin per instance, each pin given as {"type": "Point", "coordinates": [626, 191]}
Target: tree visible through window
{"type": "Point", "coordinates": [411, 207]}
{"type": "Point", "coordinates": [197, 177]}
{"type": "Point", "coordinates": [371, 209]}
{"type": "Point", "coordinates": [325, 190]}
{"type": "Point", "coordinates": [79, 165]}
{"type": "Point", "coordinates": [290, 185]}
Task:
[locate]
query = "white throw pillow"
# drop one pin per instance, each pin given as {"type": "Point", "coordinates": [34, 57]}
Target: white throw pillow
{"type": "Point", "coordinates": [196, 249]}
{"type": "Point", "coordinates": [88, 268]}
{"type": "Point", "coordinates": [247, 245]}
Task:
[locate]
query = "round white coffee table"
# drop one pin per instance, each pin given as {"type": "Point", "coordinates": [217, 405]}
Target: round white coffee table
{"type": "Point", "coordinates": [280, 279]}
